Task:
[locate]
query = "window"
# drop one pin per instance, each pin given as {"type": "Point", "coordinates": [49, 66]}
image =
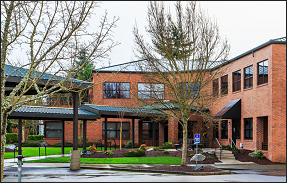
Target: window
{"type": "Point", "coordinates": [113, 129]}
{"type": "Point", "coordinates": [236, 77]}
{"type": "Point", "coordinates": [224, 129]}
{"type": "Point", "coordinates": [190, 89]}
{"type": "Point", "coordinates": [150, 91]}
{"type": "Point", "coordinates": [224, 85]}
{"type": "Point", "coordinates": [215, 87]}
{"type": "Point", "coordinates": [263, 72]}
{"type": "Point", "coordinates": [147, 130]}
{"type": "Point", "coordinates": [248, 77]}
{"type": "Point", "coordinates": [248, 128]}
{"type": "Point", "coordinates": [116, 90]}
{"type": "Point", "coordinates": [53, 129]}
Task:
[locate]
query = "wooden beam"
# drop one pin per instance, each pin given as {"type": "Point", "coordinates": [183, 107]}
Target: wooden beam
{"type": "Point", "coordinates": [19, 136]}
{"type": "Point", "coordinates": [75, 120]}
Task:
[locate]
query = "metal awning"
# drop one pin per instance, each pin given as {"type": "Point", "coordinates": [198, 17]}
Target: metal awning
{"type": "Point", "coordinates": [231, 111]}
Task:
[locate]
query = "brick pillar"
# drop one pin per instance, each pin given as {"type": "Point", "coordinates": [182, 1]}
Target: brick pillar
{"type": "Point", "coordinates": [172, 130]}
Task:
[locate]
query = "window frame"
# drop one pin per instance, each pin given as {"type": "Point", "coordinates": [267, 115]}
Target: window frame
{"type": "Point", "coordinates": [236, 82]}
{"type": "Point", "coordinates": [117, 130]}
{"type": "Point", "coordinates": [194, 92]}
{"type": "Point", "coordinates": [151, 92]}
{"type": "Point", "coordinates": [264, 75]}
{"type": "Point", "coordinates": [249, 130]}
{"type": "Point", "coordinates": [56, 129]}
{"type": "Point", "coordinates": [248, 78]}
{"type": "Point", "coordinates": [215, 89]}
{"type": "Point", "coordinates": [118, 90]}
{"type": "Point", "coordinates": [224, 130]}
{"type": "Point", "coordinates": [150, 130]}
{"type": "Point", "coordinates": [224, 86]}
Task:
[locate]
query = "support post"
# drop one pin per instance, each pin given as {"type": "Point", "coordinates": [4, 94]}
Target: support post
{"type": "Point", "coordinates": [84, 135]}
{"type": "Point", "coordinates": [106, 134]}
{"type": "Point", "coordinates": [63, 137]}
{"type": "Point", "coordinates": [75, 120]}
{"type": "Point", "coordinates": [153, 133]}
{"type": "Point", "coordinates": [133, 132]}
{"type": "Point", "coordinates": [20, 137]}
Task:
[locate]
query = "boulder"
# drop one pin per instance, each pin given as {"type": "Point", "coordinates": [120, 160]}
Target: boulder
{"type": "Point", "coordinates": [200, 157]}
{"type": "Point", "coordinates": [251, 154]}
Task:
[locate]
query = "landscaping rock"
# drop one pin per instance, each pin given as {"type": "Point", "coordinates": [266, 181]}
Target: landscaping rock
{"type": "Point", "coordinates": [200, 157]}
{"type": "Point", "coordinates": [251, 154]}
{"type": "Point", "coordinates": [151, 149]}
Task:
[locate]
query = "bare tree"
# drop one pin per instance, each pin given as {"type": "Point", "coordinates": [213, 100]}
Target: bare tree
{"type": "Point", "coordinates": [46, 35]}
{"type": "Point", "coordinates": [185, 49]}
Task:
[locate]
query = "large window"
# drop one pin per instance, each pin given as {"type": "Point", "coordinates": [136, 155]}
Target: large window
{"type": "Point", "coordinates": [53, 129]}
{"type": "Point", "coordinates": [236, 77]}
{"type": "Point", "coordinates": [116, 90]}
{"type": "Point", "coordinates": [248, 128]}
{"type": "Point", "coordinates": [147, 130]}
{"type": "Point", "coordinates": [113, 129]}
{"type": "Point", "coordinates": [262, 72]}
{"type": "Point", "coordinates": [150, 91]}
{"type": "Point", "coordinates": [224, 129]}
{"type": "Point", "coordinates": [190, 89]}
{"type": "Point", "coordinates": [248, 77]}
{"type": "Point", "coordinates": [224, 85]}
{"type": "Point", "coordinates": [215, 87]}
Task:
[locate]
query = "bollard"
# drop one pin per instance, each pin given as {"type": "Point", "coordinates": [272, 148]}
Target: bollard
{"type": "Point", "coordinates": [20, 163]}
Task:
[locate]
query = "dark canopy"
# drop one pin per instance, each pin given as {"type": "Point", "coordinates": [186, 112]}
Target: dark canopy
{"type": "Point", "coordinates": [231, 111]}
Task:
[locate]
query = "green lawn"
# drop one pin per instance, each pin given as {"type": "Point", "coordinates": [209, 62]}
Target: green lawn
{"type": "Point", "coordinates": [34, 151]}
{"type": "Point", "coordinates": [125, 160]}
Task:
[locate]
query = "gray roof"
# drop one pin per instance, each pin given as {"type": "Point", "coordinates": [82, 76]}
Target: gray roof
{"type": "Point", "coordinates": [134, 66]}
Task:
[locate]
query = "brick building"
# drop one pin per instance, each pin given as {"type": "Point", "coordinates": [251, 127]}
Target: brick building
{"type": "Point", "coordinates": [250, 109]}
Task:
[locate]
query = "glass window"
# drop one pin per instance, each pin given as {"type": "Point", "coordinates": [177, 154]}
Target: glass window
{"type": "Point", "coordinates": [224, 85]}
{"type": "Point", "coordinates": [236, 77]}
{"type": "Point", "coordinates": [248, 77]}
{"type": "Point", "coordinates": [53, 129]}
{"type": "Point", "coordinates": [191, 89]}
{"type": "Point", "coordinates": [215, 87]}
{"type": "Point", "coordinates": [248, 128]}
{"type": "Point", "coordinates": [262, 72]}
{"type": "Point", "coordinates": [224, 129]}
{"type": "Point", "coordinates": [150, 91]}
{"type": "Point", "coordinates": [116, 90]}
{"type": "Point", "coordinates": [113, 129]}
{"type": "Point", "coordinates": [147, 130]}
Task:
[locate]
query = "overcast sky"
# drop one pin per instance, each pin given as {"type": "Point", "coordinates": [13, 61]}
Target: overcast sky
{"type": "Point", "coordinates": [246, 24]}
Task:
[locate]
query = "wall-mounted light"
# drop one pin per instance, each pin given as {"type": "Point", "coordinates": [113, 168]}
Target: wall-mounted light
{"type": "Point", "coordinates": [229, 122]}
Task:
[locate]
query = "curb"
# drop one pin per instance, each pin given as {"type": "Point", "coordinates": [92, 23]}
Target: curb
{"type": "Point", "coordinates": [162, 171]}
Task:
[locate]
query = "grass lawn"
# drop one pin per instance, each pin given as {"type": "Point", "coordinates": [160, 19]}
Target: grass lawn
{"type": "Point", "coordinates": [125, 160]}
{"type": "Point", "coordinates": [34, 151]}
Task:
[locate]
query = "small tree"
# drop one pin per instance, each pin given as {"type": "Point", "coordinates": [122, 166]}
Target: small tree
{"type": "Point", "coordinates": [183, 54]}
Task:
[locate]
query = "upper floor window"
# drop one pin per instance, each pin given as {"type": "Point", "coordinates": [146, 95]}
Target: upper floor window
{"type": "Point", "coordinates": [215, 87]}
{"type": "Point", "coordinates": [248, 77]}
{"type": "Point", "coordinates": [236, 77]}
{"type": "Point", "coordinates": [224, 85]}
{"type": "Point", "coordinates": [262, 72]}
{"type": "Point", "coordinates": [190, 89]}
{"type": "Point", "coordinates": [116, 90]}
{"type": "Point", "coordinates": [150, 91]}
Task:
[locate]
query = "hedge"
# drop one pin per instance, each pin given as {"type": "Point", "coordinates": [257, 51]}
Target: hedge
{"type": "Point", "coordinates": [11, 138]}
{"type": "Point", "coordinates": [35, 137]}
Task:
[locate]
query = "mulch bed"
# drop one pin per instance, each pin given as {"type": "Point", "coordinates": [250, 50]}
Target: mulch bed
{"type": "Point", "coordinates": [243, 157]}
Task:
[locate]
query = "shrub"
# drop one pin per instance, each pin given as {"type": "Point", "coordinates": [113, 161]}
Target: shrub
{"type": "Point", "coordinates": [210, 157]}
{"type": "Point", "coordinates": [191, 155]}
{"type": "Point", "coordinates": [32, 143]}
{"type": "Point", "coordinates": [226, 147]}
{"type": "Point", "coordinates": [129, 144]}
{"type": "Point", "coordinates": [66, 144]}
{"type": "Point", "coordinates": [203, 153]}
{"type": "Point", "coordinates": [109, 153]}
{"type": "Point", "coordinates": [259, 154]}
{"type": "Point", "coordinates": [93, 148]}
{"type": "Point", "coordinates": [167, 145]}
{"type": "Point", "coordinates": [157, 149]}
{"type": "Point", "coordinates": [11, 138]}
{"type": "Point", "coordinates": [35, 137]}
{"type": "Point", "coordinates": [166, 152]}
{"type": "Point", "coordinates": [135, 153]}
{"type": "Point", "coordinates": [143, 147]}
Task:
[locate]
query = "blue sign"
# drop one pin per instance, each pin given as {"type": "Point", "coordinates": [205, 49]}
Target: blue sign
{"type": "Point", "coordinates": [197, 138]}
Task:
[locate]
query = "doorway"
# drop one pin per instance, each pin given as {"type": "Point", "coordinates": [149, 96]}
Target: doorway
{"type": "Point", "coordinates": [265, 133]}
{"type": "Point", "coordinates": [236, 130]}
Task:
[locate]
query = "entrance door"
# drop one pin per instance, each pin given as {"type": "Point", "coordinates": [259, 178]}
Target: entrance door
{"type": "Point", "coordinates": [236, 130]}
{"type": "Point", "coordinates": [265, 134]}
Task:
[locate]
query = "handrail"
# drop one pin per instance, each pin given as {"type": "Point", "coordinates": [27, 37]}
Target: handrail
{"type": "Point", "coordinates": [233, 143]}
{"type": "Point", "coordinates": [219, 146]}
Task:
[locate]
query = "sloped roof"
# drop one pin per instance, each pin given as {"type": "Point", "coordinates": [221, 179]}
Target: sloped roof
{"type": "Point", "coordinates": [168, 105]}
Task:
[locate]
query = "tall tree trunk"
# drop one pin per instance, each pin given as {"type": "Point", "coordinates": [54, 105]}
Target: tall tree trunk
{"type": "Point", "coordinates": [23, 132]}
{"type": "Point", "coordinates": [184, 144]}
{"type": "Point", "coordinates": [3, 140]}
